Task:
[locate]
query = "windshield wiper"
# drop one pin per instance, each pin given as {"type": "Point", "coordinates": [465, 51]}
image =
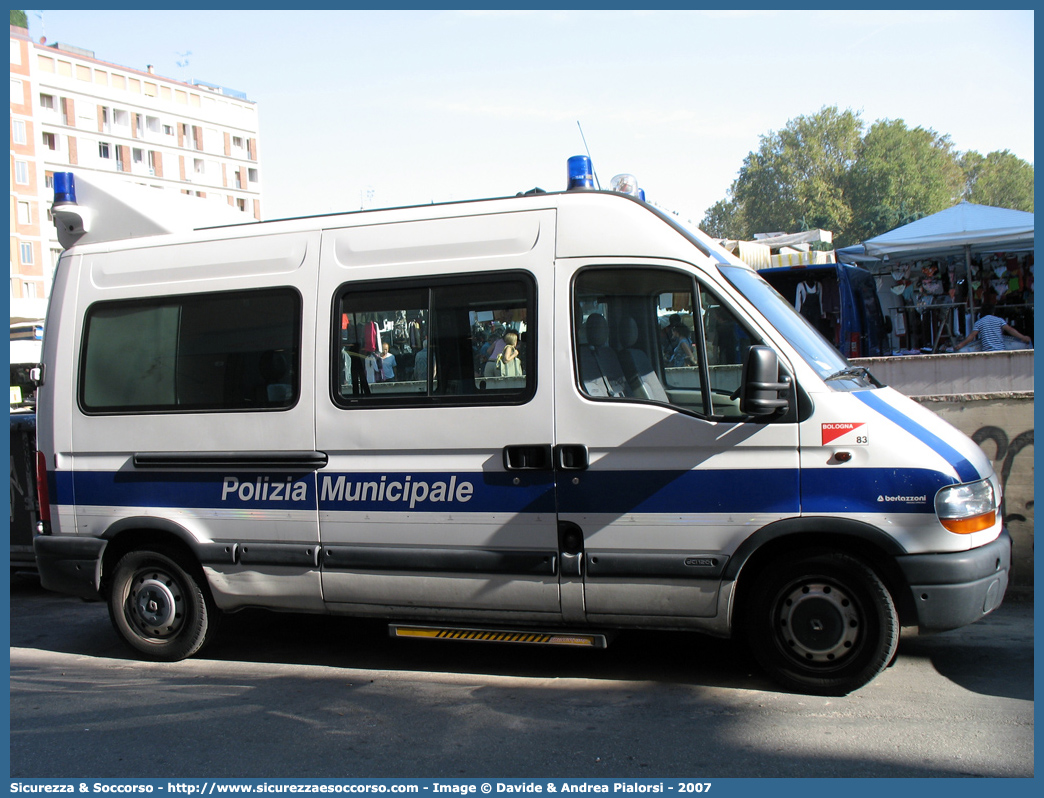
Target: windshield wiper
{"type": "Point", "coordinates": [855, 371]}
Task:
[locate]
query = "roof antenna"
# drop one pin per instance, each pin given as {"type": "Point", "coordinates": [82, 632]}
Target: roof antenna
{"type": "Point", "coordinates": [597, 184]}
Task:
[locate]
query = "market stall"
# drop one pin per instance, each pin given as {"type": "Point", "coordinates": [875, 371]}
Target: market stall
{"type": "Point", "coordinates": [934, 275]}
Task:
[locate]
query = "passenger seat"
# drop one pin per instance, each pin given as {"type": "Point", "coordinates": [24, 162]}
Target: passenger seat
{"type": "Point", "coordinates": [600, 372]}
{"type": "Point", "coordinates": [638, 370]}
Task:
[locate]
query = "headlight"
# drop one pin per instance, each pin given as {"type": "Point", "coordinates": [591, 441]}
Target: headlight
{"type": "Point", "coordinates": [967, 508]}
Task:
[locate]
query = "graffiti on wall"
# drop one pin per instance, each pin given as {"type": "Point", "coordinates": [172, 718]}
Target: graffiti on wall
{"type": "Point", "coordinates": [1006, 452]}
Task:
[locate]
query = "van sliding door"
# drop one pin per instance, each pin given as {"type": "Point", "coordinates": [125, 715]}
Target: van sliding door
{"type": "Point", "coordinates": [438, 496]}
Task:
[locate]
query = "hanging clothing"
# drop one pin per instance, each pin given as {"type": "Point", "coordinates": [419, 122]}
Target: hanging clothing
{"type": "Point", "coordinates": [809, 300]}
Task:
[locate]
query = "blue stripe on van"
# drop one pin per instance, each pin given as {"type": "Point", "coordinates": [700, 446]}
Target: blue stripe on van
{"type": "Point", "coordinates": [780, 492]}
{"type": "Point", "coordinates": [698, 492]}
{"type": "Point", "coordinates": [965, 470]}
{"type": "Point", "coordinates": [837, 489]}
{"type": "Point", "coordinates": [239, 491]}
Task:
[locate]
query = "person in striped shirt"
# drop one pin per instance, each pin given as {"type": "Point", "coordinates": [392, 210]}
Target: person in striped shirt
{"type": "Point", "coordinates": [991, 330]}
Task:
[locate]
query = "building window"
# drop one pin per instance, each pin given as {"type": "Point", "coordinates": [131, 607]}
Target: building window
{"type": "Point", "coordinates": [49, 180]}
{"type": "Point", "coordinates": [153, 124]}
{"type": "Point", "coordinates": [47, 101]}
{"type": "Point", "coordinates": [16, 91]}
{"type": "Point", "coordinates": [25, 215]}
{"type": "Point", "coordinates": [168, 130]}
{"type": "Point", "coordinates": [137, 155]}
{"type": "Point", "coordinates": [21, 173]}
{"type": "Point", "coordinates": [120, 117]}
{"type": "Point", "coordinates": [30, 290]}
{"type": "Point", "coordinates": [241, 204]}
{"type": "Point", "coordinates": [104, 150]}
{"type": "Point", "coordinates": [252, 175]}
{"type": "Point", "coordinates": [18, 131]}
{"type": "Point", "coordinates": [26, 254]}
{"type": "Point", "coordinates": [237, 141]}
{"type": "Point", "coordinates": [50, 141]}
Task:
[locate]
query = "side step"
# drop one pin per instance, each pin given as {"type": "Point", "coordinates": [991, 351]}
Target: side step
{"type": "Point", "coordinates": [532, 637]}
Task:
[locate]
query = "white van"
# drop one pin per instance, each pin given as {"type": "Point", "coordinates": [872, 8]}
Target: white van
{"type": "Point", "coordinates": [674, 448]}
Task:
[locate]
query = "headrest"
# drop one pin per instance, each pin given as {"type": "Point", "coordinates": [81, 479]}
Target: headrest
{"type": "Point", "coordinates": [597, 329]}
{"type": "Point", "coordinates": [628, 333]}
{"type": "Point", "coordinates": [273, 366]}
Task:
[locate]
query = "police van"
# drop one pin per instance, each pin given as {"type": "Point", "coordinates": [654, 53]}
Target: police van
{"type": "Point", "coordinates": [597, 420]}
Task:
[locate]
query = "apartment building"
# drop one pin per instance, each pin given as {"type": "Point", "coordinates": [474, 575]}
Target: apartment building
{"type": "Point", "coordinates": [71, 111]}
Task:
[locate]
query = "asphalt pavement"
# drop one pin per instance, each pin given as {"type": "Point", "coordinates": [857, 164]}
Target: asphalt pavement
{"type": "Point", "coordinates": [290, 696]}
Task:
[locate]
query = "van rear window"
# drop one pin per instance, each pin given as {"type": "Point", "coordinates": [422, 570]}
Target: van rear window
{"type": "Point", "coordinates": [227, 351]}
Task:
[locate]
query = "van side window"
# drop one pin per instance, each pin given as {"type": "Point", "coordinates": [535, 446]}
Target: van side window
{"type": "Point", "coordinates": [656, 335]}
{"type": "Point", "coordinates": [459, 339]}
{"type": "Point", "coordinates": [237, 350]}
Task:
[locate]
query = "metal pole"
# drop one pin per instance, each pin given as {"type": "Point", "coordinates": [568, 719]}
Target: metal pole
{"type": "Point", "coordinates": [971, 291]}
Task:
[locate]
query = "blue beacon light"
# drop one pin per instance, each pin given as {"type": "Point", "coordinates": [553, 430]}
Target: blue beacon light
{"type": "Point", "coordinates": [581, 174]}
{"type": "Point", "coordinates": [64, 188]}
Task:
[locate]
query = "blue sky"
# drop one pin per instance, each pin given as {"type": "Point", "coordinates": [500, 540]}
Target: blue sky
{"type": "Point", "coordinates": [391, 108]}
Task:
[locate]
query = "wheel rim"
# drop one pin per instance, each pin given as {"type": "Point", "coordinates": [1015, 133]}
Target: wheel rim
{"type": "Point", "coordinates": [154, 605]}
{"type": "Point", "coordinates": [818, 622]}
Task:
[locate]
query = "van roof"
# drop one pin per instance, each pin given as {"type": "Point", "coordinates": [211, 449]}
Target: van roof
{"type": "Point", "coordinates": [107, 212]}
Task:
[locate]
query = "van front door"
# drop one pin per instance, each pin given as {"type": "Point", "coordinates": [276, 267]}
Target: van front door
{"type": "Point", "coordinates": [438, 498]}
{"type": "Point", "coordinates": [662, 476]}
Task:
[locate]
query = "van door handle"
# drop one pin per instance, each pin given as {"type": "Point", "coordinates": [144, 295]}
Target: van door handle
{"type": "Point", "coordinates": [572, 457]}
{"type": "Point", "coordinates": [528, 457]}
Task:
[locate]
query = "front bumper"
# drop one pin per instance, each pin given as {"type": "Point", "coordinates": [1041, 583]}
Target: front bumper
{"type": "Point", "coordinates": [958, 588]}
{"type": "Point", "coordinates": [70, 565]}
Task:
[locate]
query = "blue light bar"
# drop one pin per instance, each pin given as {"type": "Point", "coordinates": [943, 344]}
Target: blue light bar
{"type": "Point", "coordinates": [580, 172]}
{"type": "Point", "coordinates": [64, 188]}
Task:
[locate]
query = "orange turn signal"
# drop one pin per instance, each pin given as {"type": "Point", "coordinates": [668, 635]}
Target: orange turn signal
{"type": "Point", "coordinates": [966, 526]}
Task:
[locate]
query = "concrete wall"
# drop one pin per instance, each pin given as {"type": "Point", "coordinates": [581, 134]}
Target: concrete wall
{"type": "Point", "coordinates": [1003, 428]}
{"type": "Point", "coordinates": [989, 397]}
{"type": "Point", "coordinates": [955, 375]}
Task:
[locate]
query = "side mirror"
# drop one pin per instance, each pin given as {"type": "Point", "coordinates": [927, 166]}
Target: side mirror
{"type": "Point", "coordinates": [761, 386]}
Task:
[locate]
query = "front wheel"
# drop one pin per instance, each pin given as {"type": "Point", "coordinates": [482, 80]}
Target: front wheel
{"type": "Point", "coordinates": [821, 623]}
{"type": "Point", "coordinates": [158, 606]}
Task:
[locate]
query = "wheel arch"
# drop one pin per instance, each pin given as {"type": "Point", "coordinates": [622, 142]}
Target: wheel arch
{"type": "Point", "coordinates": [821, 534]}
{"type": "Point", "coordinates": [144, 532]}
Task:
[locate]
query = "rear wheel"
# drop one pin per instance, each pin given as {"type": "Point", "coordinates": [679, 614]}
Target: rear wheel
{"type": "Point", "coordinates": [158, 606]}
{"type": "Point", "coordinates": [821, 623]}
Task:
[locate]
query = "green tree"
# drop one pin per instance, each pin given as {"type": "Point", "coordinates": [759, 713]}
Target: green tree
{"type": "Point", "coordinates": [900, 175]}
{"type": "Point", "coordinates": [723, 220]}
{"type": "Point", "coordinates": [795, 180]}
{"type": "Point", "coordinates": [19, 19]}
{"type": "Point", "coordinates": [1001, 179]}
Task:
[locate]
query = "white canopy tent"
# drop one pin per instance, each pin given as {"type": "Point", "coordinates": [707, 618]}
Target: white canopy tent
{"type": "Point", "coordinates": [965, 227]}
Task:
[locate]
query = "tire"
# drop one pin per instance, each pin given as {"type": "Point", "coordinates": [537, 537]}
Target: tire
{"type": "Point", "coordinates": [823, 624]}
{"type": "Point", "coordinates": [159, 607]}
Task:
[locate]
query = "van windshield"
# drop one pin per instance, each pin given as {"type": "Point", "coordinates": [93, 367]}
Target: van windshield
{"type": "Point", "coordinates": [813, 347]}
